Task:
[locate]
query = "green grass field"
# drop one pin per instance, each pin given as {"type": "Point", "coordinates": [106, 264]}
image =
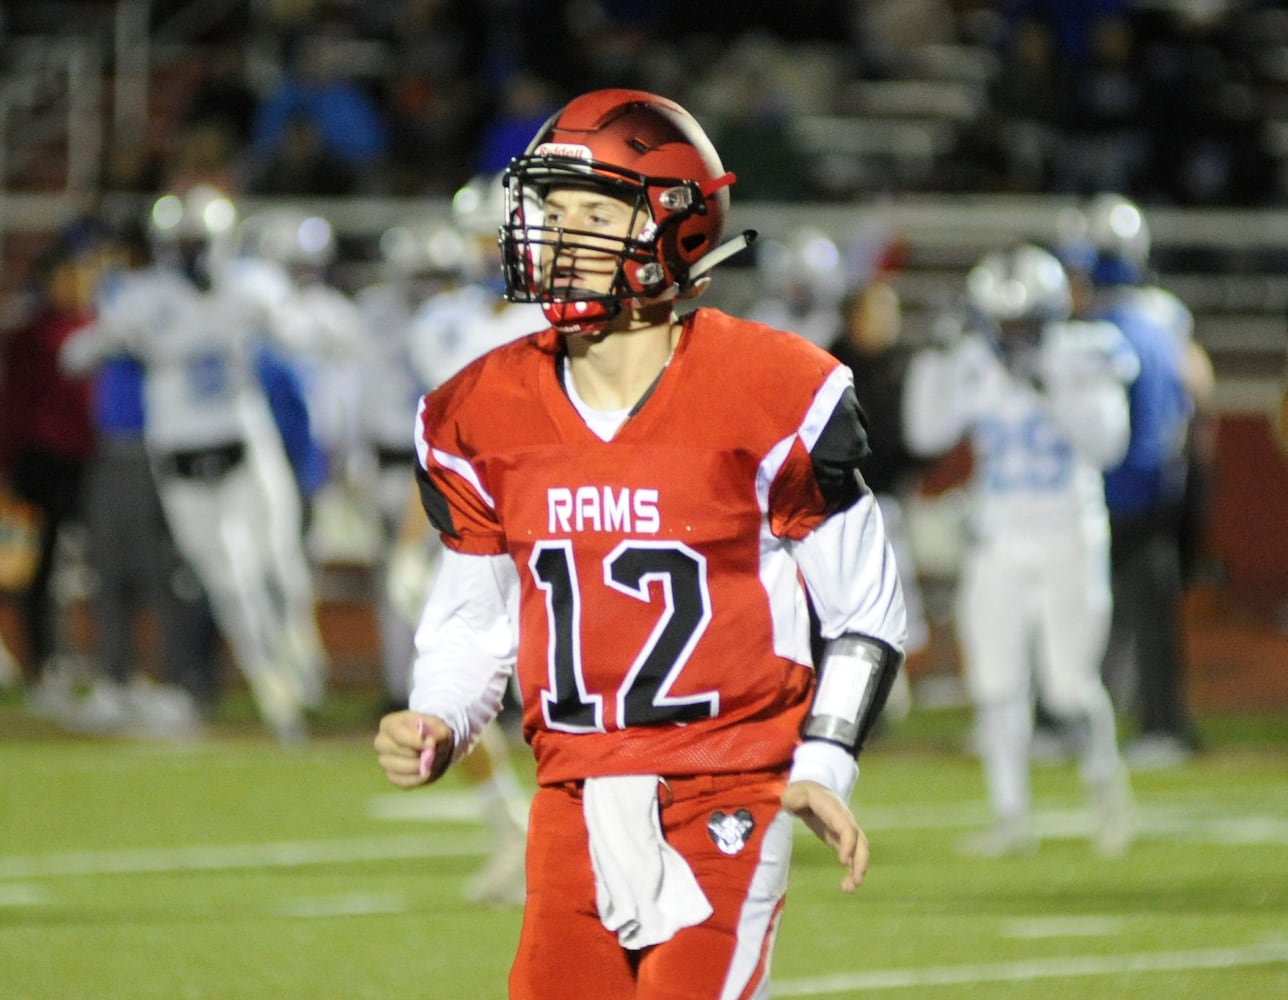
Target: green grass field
{"type": "Point", "coordinates": [232, 869]}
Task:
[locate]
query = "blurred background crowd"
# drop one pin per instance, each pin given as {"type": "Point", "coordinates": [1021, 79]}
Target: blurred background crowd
{"type": "Point", "coordinates": [1175, 100]}
{"type": "Point", "coordinates": [318, 173]}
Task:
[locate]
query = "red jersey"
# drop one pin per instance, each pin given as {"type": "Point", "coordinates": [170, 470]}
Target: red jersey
{"type": "Point", "coordinates": [662, 624]}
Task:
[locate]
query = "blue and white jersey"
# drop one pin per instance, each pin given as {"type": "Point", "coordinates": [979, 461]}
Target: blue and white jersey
{"type": "Point", "coordinates": [200, 386]}
{"type": "Point", "coordinates": [391, 384]}
{"type": "Point", "coordinates": [1153, 469]}
{"type": "Point", "coordinates": [1167, 310]}
{"type": "Point", "coordinates": [1039, 437]}
{"type": "Point", "coordinates": [454, 327]}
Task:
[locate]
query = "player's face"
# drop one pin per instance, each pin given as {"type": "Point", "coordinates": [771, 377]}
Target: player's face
{"type": "Point", "coordinates": [588, 261]}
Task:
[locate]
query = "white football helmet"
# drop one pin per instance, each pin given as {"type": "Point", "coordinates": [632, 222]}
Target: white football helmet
{"type": "Point", "coordinates": [193, 229]}
{"type": "Point", "coordinates": [201, 212]}
{"type": "Point", "coordinates": [478, 208]}
{"type": "Point", "coordinates": [478, 212]}
{"type": "Point", "coordinates": [805, 265]}
{"type": "Point", "coordinates": [1117, 227]}
{"type": "Point", "coordinates": [1023, 284]}
{"type": "Point", "coordinates": [422, 248]}
{"type": "Point", "coordinates": [1108, 239]}
{"type": "Point", "coordinates": [291, 237]}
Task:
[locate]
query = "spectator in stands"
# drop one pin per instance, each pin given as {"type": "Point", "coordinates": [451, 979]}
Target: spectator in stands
{"type": "Point", "coordinates": [1207, 124]}
{"type": "Point", "coordinates": [224, 97]}
{"type": "Point", "coordinates": [1030, 111]}
{"type": "Point", "coordinates": [47, 437]}
{"type": "Point", "coordinates": [1075, 27]}
{"type": "Point", "coordinates": [300, 164]}
{"type": "Point", "coordinates": [525, 102]}
{"type": "Point", "coordinates": [435, 108]}
{"type": "Point", "coordinates": [755, 128]}
{"type": "Point", "coordinates": [349, 125]}
{"type": "Point", "coordinates": [1093, 66]}
{"type": "Point", "coordinates": [870, 345]}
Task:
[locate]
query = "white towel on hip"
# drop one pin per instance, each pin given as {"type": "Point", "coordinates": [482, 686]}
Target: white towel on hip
{"type": "Point", "coordinates": [644, 889]}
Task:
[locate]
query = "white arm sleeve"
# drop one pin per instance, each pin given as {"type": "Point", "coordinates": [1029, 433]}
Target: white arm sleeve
{"type": "Point", "coordinates": [1086, 368]}
{"type": "Point", "coordinates": [123, 313]}
{"type": "Point", "coordinates": [849, 569]}
{"type": "Point", "coordinates": [934, 398]}
{"type": "Point", "coordinates": [84, 350]}
{"type": "Point", "coordinates": [466, 644]}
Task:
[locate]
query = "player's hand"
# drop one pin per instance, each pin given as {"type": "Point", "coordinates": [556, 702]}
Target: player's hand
{"type": "Point", "coordinates": [413, 749]}
{"type": "Point", "coordinates": [830, 819]}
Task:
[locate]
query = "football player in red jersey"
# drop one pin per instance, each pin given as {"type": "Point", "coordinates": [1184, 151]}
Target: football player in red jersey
{"type": "Point", "coordinates": [638, 507]}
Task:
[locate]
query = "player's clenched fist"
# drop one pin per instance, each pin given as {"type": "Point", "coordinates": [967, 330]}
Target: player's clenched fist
{"type": "Point", "coordinates": [413, 749]}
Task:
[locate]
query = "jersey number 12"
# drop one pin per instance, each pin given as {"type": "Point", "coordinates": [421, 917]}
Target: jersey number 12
{"type": "Point", "coordinates": [644, 697]}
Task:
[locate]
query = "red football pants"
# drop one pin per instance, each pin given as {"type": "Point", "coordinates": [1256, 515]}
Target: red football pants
{"type": "Point", "coordinates": [565, 952]}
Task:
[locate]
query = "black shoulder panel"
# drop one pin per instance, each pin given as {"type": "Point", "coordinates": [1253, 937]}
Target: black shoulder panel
{"type": "Point", "coordinates": [435, 504]}
{"type": "Point", "coordinates": [839, 450]}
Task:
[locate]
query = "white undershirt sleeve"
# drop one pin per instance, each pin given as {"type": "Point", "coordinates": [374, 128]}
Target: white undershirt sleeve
{"type": "Point", "coordinates": [849, 569]}
{"type": "Point", "coordinates": [466, 644]}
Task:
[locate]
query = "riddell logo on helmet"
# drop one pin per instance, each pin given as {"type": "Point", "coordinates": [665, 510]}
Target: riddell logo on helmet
{"type": "Point", "coordinates": [564, 150]}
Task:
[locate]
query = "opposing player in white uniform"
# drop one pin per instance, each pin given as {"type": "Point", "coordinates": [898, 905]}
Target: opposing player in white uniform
{"type": "Point", "coordinates": [413, 268]}
{"type": "Point", "coordinates": [803, 282]}
{"type": "Point", "coordinates": [324, 338]}
{"type": "Point", "coordinates": [221, 467]}
{"type": "Point", "coordinates": [1044, 405]}
{"type": "Point", "coordinates": [434, 311]}
{"type": "Point", "coordinates": [447, 332]}
{"type": "Point", "coordinates": [460, 324]}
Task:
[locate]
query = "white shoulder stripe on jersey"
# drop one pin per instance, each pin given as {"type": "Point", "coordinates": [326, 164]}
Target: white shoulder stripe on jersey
{"type": "Point", "coordinates": [825, 400]}
{"type": "Point", "coordinates": [418, 439]}
{"type": "Point", "coordinates": [466, 471]}
{"type": "Point", "coordinates": [455, 463]}
{"type": "Point", "coordinates": [811, 428]}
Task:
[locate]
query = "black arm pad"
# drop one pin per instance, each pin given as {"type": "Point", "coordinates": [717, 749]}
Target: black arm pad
{"type": "Point", "coordinates": [854, 681]}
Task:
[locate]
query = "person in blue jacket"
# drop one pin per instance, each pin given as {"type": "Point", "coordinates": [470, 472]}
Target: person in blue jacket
{"type": "Point", "coordinates": [1146, 492]}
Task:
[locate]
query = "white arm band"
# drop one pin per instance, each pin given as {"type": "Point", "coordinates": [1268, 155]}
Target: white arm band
{"type": "Point", "coordinates": [854, 680]}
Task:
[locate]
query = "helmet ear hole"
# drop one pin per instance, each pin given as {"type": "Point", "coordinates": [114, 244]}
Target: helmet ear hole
{"type": "Point", "coordinates": [692, 242]}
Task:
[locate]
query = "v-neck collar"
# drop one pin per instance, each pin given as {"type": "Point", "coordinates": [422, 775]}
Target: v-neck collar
{"type": "Point", "coordinates": [657, 390]}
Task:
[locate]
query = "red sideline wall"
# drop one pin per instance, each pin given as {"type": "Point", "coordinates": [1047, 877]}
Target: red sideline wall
{"type": "Point", "coordinates": [1237, 628]}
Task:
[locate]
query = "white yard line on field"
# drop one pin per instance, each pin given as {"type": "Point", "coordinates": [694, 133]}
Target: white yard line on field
{"type": "Point", "coordinates": [1060, 967]}
{"type": "Point", "coordinates": [281, 854]}
{"type": "Point", "coordinates": [358, 904]}
{"type": "Point", "coordinates": [1038, 928]}
{"type": "Point", "coordinates": [438, 806]}
{"type": "Point", "coordinates": [448, 808]}
{"type": "Point", "coordinates": [22, 894]}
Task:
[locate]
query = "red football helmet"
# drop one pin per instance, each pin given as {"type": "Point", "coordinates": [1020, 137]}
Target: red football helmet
{"type": "Point", "coordinates": [636, 146]}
